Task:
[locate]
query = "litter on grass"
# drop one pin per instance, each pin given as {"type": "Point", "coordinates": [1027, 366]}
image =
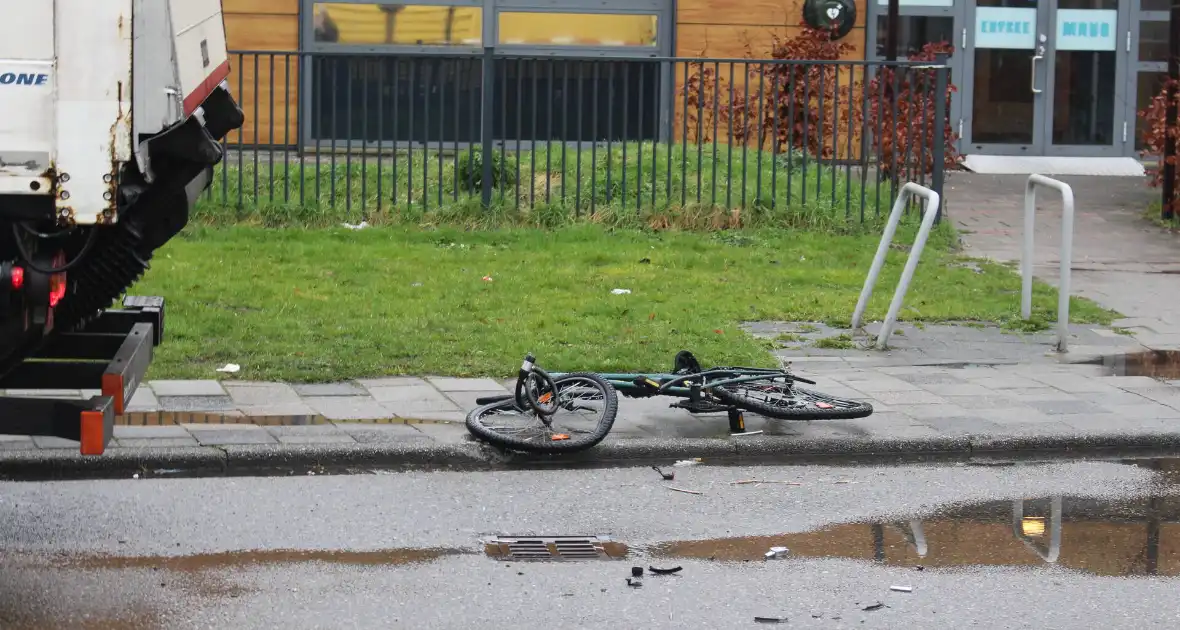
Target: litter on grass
{"type": "Point", "coordinates": [229, 368]}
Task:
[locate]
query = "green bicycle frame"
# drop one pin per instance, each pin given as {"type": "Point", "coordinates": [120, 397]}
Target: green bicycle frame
{"type": "Point", "coordinates": [625, 382]}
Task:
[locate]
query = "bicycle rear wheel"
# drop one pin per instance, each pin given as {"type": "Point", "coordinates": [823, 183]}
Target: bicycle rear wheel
{"type": "Point", "coordinates": [780, 398]}
{"type": "Point", "coordinates": [586, 408]}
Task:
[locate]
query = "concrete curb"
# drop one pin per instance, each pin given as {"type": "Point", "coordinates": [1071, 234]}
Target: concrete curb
{"type": "Point", "coordinates": [26, 465]}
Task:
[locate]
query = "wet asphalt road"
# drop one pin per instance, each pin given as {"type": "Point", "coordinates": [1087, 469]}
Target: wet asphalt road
{"type": "Point", "coordinates": [404, 550]}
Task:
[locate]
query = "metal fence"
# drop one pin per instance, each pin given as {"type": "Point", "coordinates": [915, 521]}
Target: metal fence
{"type": "Point", "coordinates": [360, 136]}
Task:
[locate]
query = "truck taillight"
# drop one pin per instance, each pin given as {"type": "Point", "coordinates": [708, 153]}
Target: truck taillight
{"type": "Point", "coordinates": [57, 289]}
{"type": "Point", "coordinates": [17, 278]}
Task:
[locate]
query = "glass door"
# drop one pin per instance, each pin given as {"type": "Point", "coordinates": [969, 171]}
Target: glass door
{"type": "Point", "coordinates": [1086, 74]}
{"type": "Point", "coordinates": [1004, 92]}
{"type": "Point", "coordinates": [1047, 77]}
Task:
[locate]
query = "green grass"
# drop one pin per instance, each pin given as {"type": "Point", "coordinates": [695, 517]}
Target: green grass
{"type": "Point", "coordinates": [633, 186]}
{"type": "Point", "coordinates": [328, 304]}
{"type": "Point", "coordinates": [842, 341]}
{"type": "Point", "coordinates": [1154, 214]}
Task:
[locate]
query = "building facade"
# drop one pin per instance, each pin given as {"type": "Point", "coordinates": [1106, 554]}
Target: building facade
{"type": "Point", "coordinates": [1033, 77]}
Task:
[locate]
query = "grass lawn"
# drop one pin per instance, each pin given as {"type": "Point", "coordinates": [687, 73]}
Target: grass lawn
{"type": "Point", "coordinates": [328, 304]}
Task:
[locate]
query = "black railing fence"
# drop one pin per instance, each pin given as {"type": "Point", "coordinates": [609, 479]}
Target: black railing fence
{"type": "Point", "coordinates": [349, 136]}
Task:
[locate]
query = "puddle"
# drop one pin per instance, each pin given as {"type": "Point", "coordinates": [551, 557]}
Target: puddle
{"type": "Point", "coordinates": [153, 418]}
{"type": "Point", "coordinates": [1122, 538]}
{"type": "Point", "coordinates": [1159, 364]}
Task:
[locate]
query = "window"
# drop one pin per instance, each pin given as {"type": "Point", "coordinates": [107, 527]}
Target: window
{"type": "Point", "coordinates": [397, 24]}
{"type": "Point", "coordinates": [915, 31]}
{"type": "Point", "coordinates": [577, 29]}
{"type": "Point", "coordinates": [1155, 5]}
{"type": "Point", "coordinates": [1153, 41]}
{"type": "Point", "coordinates": [1149, 85]}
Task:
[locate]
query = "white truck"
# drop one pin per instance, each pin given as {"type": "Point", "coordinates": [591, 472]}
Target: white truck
{"type": "Point", "coordinates": [112, 114]}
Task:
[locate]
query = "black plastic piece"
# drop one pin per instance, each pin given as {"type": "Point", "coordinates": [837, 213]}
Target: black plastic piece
{"type": "Point", "coordinates": [28, 207]}
{"type": "Point", "coordinates": [737, 421]}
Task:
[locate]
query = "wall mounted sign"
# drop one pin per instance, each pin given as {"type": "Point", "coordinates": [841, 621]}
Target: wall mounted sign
{"type": "Point", "coordinates": [836, 15]}
{"type": "Point", "coordinates": [1005, 27]}
{"type": "Point", "coordinates": [1087, 29]}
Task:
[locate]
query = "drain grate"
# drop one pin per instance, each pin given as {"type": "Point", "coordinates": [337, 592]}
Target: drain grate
{"type": "Point", "coordinates": [554, 548]}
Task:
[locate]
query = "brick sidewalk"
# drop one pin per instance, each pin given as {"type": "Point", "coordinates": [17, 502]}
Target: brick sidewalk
{"type": "Point", "coordinates": [1119, 260]}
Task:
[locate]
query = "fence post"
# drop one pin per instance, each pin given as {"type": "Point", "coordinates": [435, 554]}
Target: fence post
{"type": "Point", "coordinates": [485, 131]}
{"type": "Point", "coordinates": [941, 117]}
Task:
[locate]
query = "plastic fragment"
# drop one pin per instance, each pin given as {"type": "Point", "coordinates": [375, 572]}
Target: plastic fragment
{"type": "Point", "coordinates": [229, 368]}
{"type": "Point", "coordinates": [770, 619]}
{"type": "Point", "coordinates": [620, 291]}
{"type": "Point", "coordinates": [665, 571]}
{"type": "Point", "coordinates": [636, 571]}
{"type": "Point", "coordinates": [746, 433]}
{"type": "Point", "coordinates": [633, 583]}
{"type": "Point", "coordinates": [902, 589]}
{"type": "Point", "coordinates": [688, 462]}
{"type": "Point", "coordinates": [668, 476]}
{"type": "Point", "coordinates": [877, 606]}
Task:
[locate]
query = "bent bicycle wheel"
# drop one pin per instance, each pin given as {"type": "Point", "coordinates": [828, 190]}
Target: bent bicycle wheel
{"type": "Point", "coordinates": [586, 408]}
{"type": "Point", "coordinates": [778, 398]}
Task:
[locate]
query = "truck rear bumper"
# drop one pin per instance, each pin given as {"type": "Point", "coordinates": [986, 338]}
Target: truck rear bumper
{"type": "Point", "coordinates": [111, 355]}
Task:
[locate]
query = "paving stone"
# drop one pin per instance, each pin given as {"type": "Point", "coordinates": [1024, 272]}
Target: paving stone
{"type": "Point", "coordinates": [1108, 423]}
{"type": "Point", "coordinates": [996, 400]}
{"type": "Point", "coordinates": [447, 433]}
{"type": "Point", "coordinates": [195, 403]}
{"type": "Point", "coordinates": [297, 410]}
{"type": "Point", "coordinates": [161, 442]}
{"type": "Point", "coordinates": [1024, 396]}
{"type": "Point", "coordinates": [445, 384]}
{"type": "Point", "coordinates": [258, 395]}
{"type": "Point", "coordinates": [422, 397]}
{"type": "Point", "coordinates": [308, 429]}
{"type": "Point", "coordinates": [927, 379]}
{"type": "Point", "coordinates": [900, 399]}
{"type": "Point", "coordinates": [1007, 382]}
{"type": "Point", "coordinates": [330, 389]}
{"type": "Point", "coordinates": [380, 433]}
{"type": "Point", "coordinates": [881, 383]}
{"type": "Point", "coordinates": [936, 410]}
{"type": "Point", "coordinates": [16, 442]}
{"type": "Point", "coordinates": [1116, 397]}
{"type": "Point", "coordinates": [143, 399]}
{"type": "Point", "coordinates": [444, 416]}
{"type": "Point", "coordinates": [155, 431]}
{"type": "Point", "coordinates": [187, 388]}
{"type": "Point", "coordinates": [467, 400]}
{"type": "Point", "coordinates": [1012, 415]}
{"type": "Point", "coordinates": [957, 389]}
{"type": "Point", "coordinates": [963, 425]}
{"type": "Point", "coordinates": [48, 441]}
{"type": "Point", "coordinates": [1143, 412]}
{"type": "Point", "coordinates": [1025, 429]}
{"type": "Point", "coordinates": [347, 407]}
{"type": "Point", "coordinates": [1060, 407]}
{"type": "Point", "coordinates": [1130, 382]}
{"type": "Point", "coordinates": [1072, 383]}
{"type": "Point", "coordinates": [392, 381]}
{"type": "Point", "coordinates": [214, 435]}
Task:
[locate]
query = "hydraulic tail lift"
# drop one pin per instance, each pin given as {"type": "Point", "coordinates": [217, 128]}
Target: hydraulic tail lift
{"type": "Point", "coordinates": [111, 354]}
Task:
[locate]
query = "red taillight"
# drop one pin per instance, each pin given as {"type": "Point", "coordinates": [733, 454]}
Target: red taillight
{"type": "Point", "coordinates": [57, 289]}
{"type": "Point", "coordinates": [17, 278]}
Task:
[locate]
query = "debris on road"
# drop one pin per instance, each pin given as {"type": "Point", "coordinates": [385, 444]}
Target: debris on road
{"type": "Point", "coordinates": [668, 476]}
{"type": "Point", "coordinates": [356, 226]}
{"type": "Point", "coordinates": [665, 571]}
{"type": "Point", "coordinates": [902, 589]}
{"type": "Point", "coordinates": [636, 571]}
{"type": "Point", "coordinates": [684, 490]}
{"type": "Point", "coordinates": [229, 368]}
{"type": "Point", "coordinates": [776, 552]}
{"type": "Point", "coordinates": [688, 462]}
{"type": "Point", "coordinates": [770, 619]}
{"type": "Point", "coordinates": [758, 432]}
{"type": "Point", "coordinates": [633, 583]}
{"type": "Point", "coordinates": [877, 606]}
{"type": "Point", "coordinates": [743, 482]}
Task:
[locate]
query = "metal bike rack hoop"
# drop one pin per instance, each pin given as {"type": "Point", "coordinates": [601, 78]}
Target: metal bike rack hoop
{"type": "Point", "coordinates": [1066, 253]}
{"type": "Point", "coordinates": [910, 189]}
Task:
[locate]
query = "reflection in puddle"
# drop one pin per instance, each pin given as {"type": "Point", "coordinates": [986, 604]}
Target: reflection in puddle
{"type": "Point", "coordinates": [1161, 364]}
{"type": "Point", "coordinates": [1135, 537]}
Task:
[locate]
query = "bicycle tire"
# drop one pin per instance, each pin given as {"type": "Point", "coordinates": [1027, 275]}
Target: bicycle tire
{"type": "Point", "coordinates": [478, 428]}
{"type": "Point", "coordinates": [800, 403]}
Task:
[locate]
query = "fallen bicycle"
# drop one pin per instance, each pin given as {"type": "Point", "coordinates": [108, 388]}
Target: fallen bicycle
{"type": "Point", "coordinates": [567, 412]}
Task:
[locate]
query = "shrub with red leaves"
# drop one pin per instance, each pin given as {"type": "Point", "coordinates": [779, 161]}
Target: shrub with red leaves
{"type": "Point", "coordinates": [1155, 136]}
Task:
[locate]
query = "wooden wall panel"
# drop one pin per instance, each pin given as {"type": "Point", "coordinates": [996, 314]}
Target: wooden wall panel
{"type": "Point", "coordinates": [264, 25]}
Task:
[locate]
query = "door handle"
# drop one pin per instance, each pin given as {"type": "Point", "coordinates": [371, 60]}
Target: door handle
{"type": "Point", "coordinates": [1034, 74]}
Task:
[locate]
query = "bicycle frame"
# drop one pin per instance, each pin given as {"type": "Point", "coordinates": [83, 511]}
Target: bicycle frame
{"type": "Point", "coordinates": [625, 382]}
